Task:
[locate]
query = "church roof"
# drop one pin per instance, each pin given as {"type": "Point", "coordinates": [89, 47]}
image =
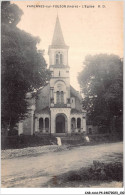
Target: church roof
{"type": "Point", "coordinates": [75, 93]}
{"type": "Point", "coordinates": [75, 111]}
{"type": "Point", "coordinates": [45, 110]}
{"type": "Point", "coordinates": [58, 39]}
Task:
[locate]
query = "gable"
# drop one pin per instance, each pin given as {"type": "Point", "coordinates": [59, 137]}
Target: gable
{"type": "Point", "coordinates": [78, 99]}
{"type": "Point", "coordinates": [74, 93]}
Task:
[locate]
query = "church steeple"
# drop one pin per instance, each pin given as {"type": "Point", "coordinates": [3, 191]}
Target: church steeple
{"type": "Point", "coordinates": [58, 57]}
{"type": "Point", "coordinates": [58, 50]}
{"type": "Point", "coordinates": [58, 39]}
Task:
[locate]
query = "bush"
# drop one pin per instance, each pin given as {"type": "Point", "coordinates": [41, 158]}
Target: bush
{"type": "Point", "coordinates": [74, 177]}
{"type": "Point", "coordinates": [114, 171]}
{"type": "Point", "coordinates": [11, 142]}
{"type": "Point", "coordinates": [105, 171]}
{"type": "Point", "coordinates": [13, 132]}
{"type": "Point", "coordinates": [98, 171]}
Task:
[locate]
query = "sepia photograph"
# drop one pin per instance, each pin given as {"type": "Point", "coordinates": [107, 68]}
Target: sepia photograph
{"type": "Point", "coordinates": [62, 94]}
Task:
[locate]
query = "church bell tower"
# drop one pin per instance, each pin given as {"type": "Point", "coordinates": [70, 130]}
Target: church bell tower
{"type": "Point", "coordinates": [58, 60]}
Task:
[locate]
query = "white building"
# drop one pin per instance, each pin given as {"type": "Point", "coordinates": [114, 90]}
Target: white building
{"type": "Point", "coordinates": [58, 108]}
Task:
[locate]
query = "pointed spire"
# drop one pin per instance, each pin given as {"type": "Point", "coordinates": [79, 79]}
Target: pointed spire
{"type": "Point", "coordinates": [58, 39]}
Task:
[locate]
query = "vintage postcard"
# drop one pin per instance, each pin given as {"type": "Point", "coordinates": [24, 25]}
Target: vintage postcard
{"type": "Point", "coordinates": [62, 96]}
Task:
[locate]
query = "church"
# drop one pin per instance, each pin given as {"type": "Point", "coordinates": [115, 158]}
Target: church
{"type": "Point", "coordinates": [57, 109]}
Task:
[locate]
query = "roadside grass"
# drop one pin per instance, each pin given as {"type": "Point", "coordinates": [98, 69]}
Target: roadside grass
{"type": "Point", "coordinates": [41, 150]}
{"type": "Point", "coordinates": [24, 141]}
{"type": "Point", "coordinates": [31, 151]}
{"type": "Point", "coordinates": [94, 175]}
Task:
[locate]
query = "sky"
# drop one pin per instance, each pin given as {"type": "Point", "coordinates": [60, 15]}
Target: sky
{"type": "Point", "coordinates": [85, 30]}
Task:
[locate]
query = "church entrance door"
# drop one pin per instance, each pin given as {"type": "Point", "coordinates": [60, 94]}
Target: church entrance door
{"type": "Point", "coordinates": [60, 124]}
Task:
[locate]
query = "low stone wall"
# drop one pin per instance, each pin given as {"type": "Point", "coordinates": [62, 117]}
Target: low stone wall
{"type": "Point", "coordinates": [80, 139]}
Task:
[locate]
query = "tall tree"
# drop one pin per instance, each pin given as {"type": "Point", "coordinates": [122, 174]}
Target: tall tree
{"type": "Point", "coordinates": [23, 66]}
{"type": "Point", "coordinates": [101, 81]}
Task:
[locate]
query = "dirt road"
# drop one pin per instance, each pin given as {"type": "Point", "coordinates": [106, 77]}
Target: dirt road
{"type": "Point", "coordinates": [35, 171]}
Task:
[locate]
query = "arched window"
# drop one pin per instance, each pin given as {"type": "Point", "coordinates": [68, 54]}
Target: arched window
{"type": "Point", "coordinates": [78, 123]}
{"type": "Point", "coordinates": [62, 97]}
{"type": "Point", "coordinates": [58, 97]}
{"type": "Point", "coordinates": [59, 58]}
{"type": "Point", "coordinates": [90, 131]}
{"type": "Point", "coordinates": [46, 123]}
{"type": "Point", "coordinates": [41, 123]}
{"type": "Point", "coordinates": [73, 123]}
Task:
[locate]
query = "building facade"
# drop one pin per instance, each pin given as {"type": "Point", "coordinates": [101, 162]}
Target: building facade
{"type": "Point", "coordinates": [58, 107]}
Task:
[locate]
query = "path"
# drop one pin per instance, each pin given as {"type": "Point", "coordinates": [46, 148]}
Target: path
{"type": "Point", "coordinates": [35, 171]}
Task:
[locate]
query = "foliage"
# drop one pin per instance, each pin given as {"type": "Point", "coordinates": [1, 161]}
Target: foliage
{"type": "Point", "coordinates": [24, 141]}
{"type": "Point", "coordinates": [10, 13]}
{"type": "Point", "coordinates": [101, 81]}
{"type": "Point", "coordinates": [107, 171]}
{"type": "Point", "coordinates": [23, 66]}
{"type": "Point", "coordinates": [98, 171]}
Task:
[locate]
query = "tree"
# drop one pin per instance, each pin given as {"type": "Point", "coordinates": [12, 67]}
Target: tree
{"type": "Point", "coordinates": [101, 81]}
{"type": "Point", "coordinates": [23, 66]}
